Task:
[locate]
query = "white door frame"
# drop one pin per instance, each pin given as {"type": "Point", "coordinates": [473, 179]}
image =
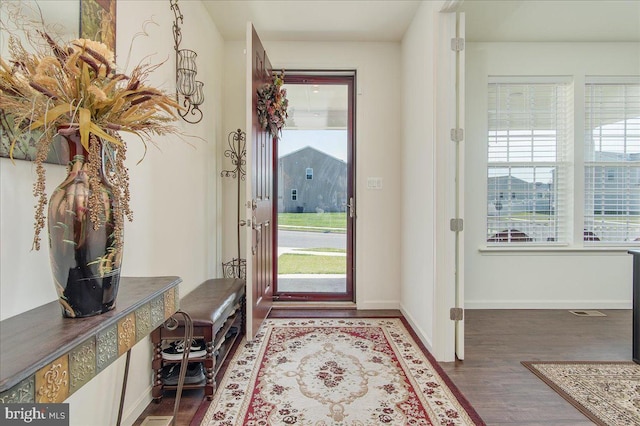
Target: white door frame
{"type": "Point", "coordinates": [448, 335]}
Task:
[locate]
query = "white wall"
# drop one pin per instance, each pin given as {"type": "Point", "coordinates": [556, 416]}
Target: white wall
{"type": "Point", "coordinates": [174, 197]}
{"type": "Point", "coordinates": [378, 151]}
{"type": "Point", "coordinates": [418, 173]}
{"type": "Point", "coordinates": [570, 278]}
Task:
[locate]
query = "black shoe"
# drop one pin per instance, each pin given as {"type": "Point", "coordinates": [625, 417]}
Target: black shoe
{"type": "Point", "coordinates": [233, 330]}
{"type": "Point", "coordinates": [195, 373]}
{"type": "Point", "coordinates": [170, 374]}
{"type": "Point", "coordinates": [176, 349]}
{"type": "Point", "coordinates": [193, 376]}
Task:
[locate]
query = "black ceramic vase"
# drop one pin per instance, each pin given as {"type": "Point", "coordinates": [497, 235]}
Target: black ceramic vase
{"type": "Point", "coordinates": [85, 260]}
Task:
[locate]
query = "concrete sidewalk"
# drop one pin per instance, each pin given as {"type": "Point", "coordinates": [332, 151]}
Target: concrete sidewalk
{"type": "Point", "coordinates": [318, 283]}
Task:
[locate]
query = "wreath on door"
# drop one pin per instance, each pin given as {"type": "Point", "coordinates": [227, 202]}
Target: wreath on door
{"type": "Point", "coordinates": [272, 105]}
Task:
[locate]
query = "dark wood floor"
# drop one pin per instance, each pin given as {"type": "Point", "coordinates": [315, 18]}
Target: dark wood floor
{"type": "Point", "coordinates": [491, 377]}
{"type": "Point", "coordinates": [501, 390]}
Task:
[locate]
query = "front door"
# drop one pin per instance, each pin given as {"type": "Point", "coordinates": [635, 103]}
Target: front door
{"type": "Point", "coordinates": [259, 190]}
{"type": "Point", "coordinates": [315, 209]}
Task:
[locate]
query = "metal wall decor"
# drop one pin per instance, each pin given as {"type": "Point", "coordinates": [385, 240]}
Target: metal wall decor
{"type": "Point", "coordinates": [236, 268]}
{"type": "Point", "coordinates": [187, 87]}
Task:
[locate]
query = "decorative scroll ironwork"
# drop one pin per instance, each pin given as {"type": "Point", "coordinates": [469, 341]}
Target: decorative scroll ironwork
{"type": "Point", "coordinates": [237, 152]}
{"type": "Point", "coordinates": [235, 268]}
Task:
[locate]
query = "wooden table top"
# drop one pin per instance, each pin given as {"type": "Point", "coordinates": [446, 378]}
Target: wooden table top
{"type": "Point", "coordinates": [34, 339]}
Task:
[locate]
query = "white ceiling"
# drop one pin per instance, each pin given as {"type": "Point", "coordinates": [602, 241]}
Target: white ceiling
{"type": "Point", "coordinates": [314, 20]}
{"type": "Point", "coordinates": [387, 20]}
{"type": "Point", "coordinates": [552, 20]}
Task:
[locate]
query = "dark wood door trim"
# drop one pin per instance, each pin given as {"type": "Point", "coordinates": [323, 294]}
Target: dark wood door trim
{"type": "Point", "coordinates": [336, 77]}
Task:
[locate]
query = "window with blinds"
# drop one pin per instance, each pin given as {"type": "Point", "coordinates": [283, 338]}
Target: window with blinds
{"type": "Point", "coordinates": [529, 133]}
{"type": "Point", "coordinates": [612, 161]}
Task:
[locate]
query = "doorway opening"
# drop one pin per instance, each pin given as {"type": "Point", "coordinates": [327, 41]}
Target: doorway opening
{"type": "Point", "coordinates": [314, 172]}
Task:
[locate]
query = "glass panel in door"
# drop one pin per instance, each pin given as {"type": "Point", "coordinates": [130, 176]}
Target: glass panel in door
{"type": "Point", "coordinates": [313, 169]}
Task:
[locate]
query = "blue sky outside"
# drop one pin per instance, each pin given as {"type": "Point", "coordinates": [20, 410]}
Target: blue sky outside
{"type": "Point", "coordinates": [330, 141]}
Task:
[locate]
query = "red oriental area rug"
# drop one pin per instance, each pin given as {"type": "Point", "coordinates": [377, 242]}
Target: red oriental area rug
{"type": "Point", "coordinates": [336, 372]}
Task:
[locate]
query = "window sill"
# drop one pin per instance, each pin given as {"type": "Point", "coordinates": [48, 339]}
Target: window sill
{"type": "Point", "coordinates": [554, 250]}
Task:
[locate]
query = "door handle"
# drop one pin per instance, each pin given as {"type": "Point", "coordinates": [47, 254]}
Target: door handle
{"type": "Point", "coordinates": [352, 207]}
{"type": "Point", "coordinates": [258, 228]}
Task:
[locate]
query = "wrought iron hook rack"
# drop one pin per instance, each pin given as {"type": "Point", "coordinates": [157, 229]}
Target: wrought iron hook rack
{"type": "Point", "coordinates": [237, 152]}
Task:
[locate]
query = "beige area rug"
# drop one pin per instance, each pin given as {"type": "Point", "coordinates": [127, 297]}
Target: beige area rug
{"type": "Point", "coordinates": [351, 372]}
{"type": "Point", "coordinates": [608, 393]}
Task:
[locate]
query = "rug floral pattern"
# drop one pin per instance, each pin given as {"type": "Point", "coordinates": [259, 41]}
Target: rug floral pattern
{"type": "Point", "coordinates": [607, 393]}
{"type": "Point", "coordinates": [333, 372]}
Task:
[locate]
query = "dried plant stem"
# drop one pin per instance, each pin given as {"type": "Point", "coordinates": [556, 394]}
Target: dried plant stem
{"type": "Point", "coordinates": [39, 191]}
{"type": "Point", "coordinates": [116, 175]}
{"type": "Point", "coordinates": [99, 213]}
{"type": "Point", "coordinates": [121, 195]}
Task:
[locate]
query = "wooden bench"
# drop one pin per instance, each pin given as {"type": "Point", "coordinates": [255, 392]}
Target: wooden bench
{"type": "Point", "coordinates": [214, 307]}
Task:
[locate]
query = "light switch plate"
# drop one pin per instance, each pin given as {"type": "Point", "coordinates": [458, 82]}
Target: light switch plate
{"type": "Point", "coordinates": [374, 183]}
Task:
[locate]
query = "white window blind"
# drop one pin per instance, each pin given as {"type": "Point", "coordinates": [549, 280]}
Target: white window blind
{"type": "Point", "coordinates": [612, 161]}
{"type": "Point", "coordinates": [528, 138]}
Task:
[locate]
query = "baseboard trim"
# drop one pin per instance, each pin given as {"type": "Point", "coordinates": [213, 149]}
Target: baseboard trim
{"type": "Point", "coordinates": [138, 407]}
{"type": "Point", "coordinates": [378, 305]}
{"type": "Point", "coordinates": [417, 330]}
{"type": "Point", "coordinates": [314, 305]}
{"type": "Point", "coordinates": [548, 304]}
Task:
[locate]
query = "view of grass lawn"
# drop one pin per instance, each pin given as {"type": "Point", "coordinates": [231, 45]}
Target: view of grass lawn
{"type": "Point", "coordinates": [617, 219]}
{"type": "Point", "coordinates": [318, 222]}
{"type": "Point", "coordinates": [613, 218]}
{"type": "Point", "coordinates": [311, 264]}
{"type": "Point", "coordinates": [323, 250]}
{"type": "Point", "coordinates": [527, 216]}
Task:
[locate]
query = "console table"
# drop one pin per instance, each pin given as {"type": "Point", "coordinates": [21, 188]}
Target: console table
{"type": "Point", "coordinates": [636, 305]}
{"type": "Point", "coordinates": [44, 358]}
